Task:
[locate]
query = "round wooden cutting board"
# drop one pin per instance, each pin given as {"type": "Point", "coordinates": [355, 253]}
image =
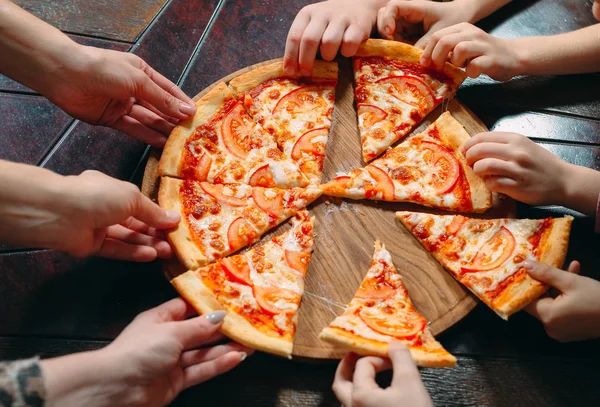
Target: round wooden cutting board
{"type": "Point", "coordinates": [346, 230]}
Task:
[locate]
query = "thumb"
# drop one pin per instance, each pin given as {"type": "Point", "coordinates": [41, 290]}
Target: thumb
{"type": "Point", "coordinates": [195, 332]}
{"type": "Point", "coordinates": [153, 215]}
{"type": "Point", "coordinates": [559, 279]}
{"type": "Point", "coordinates": [402, 363]}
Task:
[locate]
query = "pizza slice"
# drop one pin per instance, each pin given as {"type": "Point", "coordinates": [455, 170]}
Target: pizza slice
{"type": "Point", "coordinates": [394, 92]}
{"type": "Point", "coordinates": [487, 255]}
{"type": "Point", "coordinates": [218, 220]}
{"type": "Point", "coordinates": [381, 312]}
{"type": "Point", "coordinates": [297, 111]}
{"type": "Point", "coordinates": [222, 145]}
{"type": "Point", "coordinates": [260, 289]}
{"type": "Point", "coordinates": [427, 169]}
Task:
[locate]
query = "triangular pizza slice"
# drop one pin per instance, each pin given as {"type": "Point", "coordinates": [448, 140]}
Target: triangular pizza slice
{"type": "Point", "coordinates": [222, 145]}
{"type": "Point", "coordinates": [260, 289]}
{"type": "Point", "coordinates": [487, 255]}
{"type": "Point", "coordinates": [394, 92]}
{"type": "Point", "coordinates": [427, 169]}
{"type": "Point", "coordinates": [217, 220]}
{"type": "Point", "coordinates": [381, 312]}
{"type": "Point", "coordinates": [297, 111]}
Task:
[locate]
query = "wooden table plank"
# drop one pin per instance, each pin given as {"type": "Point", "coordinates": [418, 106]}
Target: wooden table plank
{"type": "Point", "coordinates": [113, 19]}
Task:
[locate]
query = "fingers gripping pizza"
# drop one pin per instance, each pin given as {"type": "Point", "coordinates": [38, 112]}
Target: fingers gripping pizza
{"type": "Point", "coordinates": [394, 92]}
{"type": "Point", "coordinates": [427, 169]}
{"type": "Point", "coordinates": [218, 220]}
{"type": "Point", "coordinates": [260, 289]}
{"type": "Point", "coordinates": [380, 312]}
{"type": "Point", "coordinates": [487, 255]}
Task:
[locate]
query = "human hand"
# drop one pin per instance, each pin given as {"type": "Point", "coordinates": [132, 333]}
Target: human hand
{"type": "Point", "coordinates": [155, 358]}
{"type": "Point", "coordinates": [334, 25]}
{"type": "Point", "coordinates": [355, 386]}
{"type": "Point", "coordinates": [514, 165]}
{"type": "Point", "coordinates": [119, 90]}
{"type": "Point", "coordinates": [572, 315]}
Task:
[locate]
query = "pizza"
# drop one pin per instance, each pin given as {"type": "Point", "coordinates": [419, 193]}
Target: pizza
{"type": "Point", "coordinates": [222, 145]}
{"type": "Point", "coordinates": [260, 289]}
{"type": "Point", "coordinates": [394, 92]}
{"type": "Point", "coordinates": [218, 220]}
{"type": "Point", "coordinates": [381, 312]}
{"type": "Point", "coordinates": [297, 111]}
{"type": "Point", "coordinates": [487, 255]}
{"type": "Point", "coordinates": [427, 169]}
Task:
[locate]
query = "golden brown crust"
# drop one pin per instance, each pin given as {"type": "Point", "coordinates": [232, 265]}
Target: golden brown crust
{"type": "Point", "coordinates": [180, 238]}
{"type": "Point", "coordinates": [250, 80]}
{"type": "Point", "coordinates": [366, 347]}
{"type": "Point", "coordinates": [207, 106]}
{"type": "Point", "coordinates": [236, 327]}
{"type": "Point", "coordinates": [404, 52]}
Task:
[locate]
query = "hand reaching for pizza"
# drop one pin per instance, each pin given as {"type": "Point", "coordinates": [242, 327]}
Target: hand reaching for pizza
{"type": "Point", "coordinates": [155, 358]}
{"type": "Point", "coordinates": [331, 25]}
{"type": "Point", "coordinates": [354, 384]}
{"type": "Point", "coordinates": [574, 314]}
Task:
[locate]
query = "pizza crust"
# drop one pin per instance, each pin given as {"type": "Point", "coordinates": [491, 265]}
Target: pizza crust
{"type": "Point", "coordinates": [403, 52]}
{"type": "Point", "coordinates": [250, 80]}
{"type": "Point", "coordinates": [365, 347]}
{"type": "Point", "coordinates": [193, 290]}
{"type": "Point", "coordinates": [180, 238]}
{"type": "Point", "coordinates": [207, 106]}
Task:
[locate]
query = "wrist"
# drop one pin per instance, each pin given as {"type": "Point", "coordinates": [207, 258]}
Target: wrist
{"type": "Point", "coordinates": [580, 189]}
{"type": "Point", "coordinates": [522, 55]}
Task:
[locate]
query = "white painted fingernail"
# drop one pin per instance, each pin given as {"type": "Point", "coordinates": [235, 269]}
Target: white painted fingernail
{"type": "Point", "coordinates": [188, 110]}
{"type": "Point", "coordinates": [173, 216]}
{"type": "Point", "coordinates": [529, 265]}
{"type": "Point", "coordinates": [215, 317]}
{"type": "Point", "coordinates": [243, 356]}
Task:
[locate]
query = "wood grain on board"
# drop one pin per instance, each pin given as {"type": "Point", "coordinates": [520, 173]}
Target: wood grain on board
{"type": "Point", "coordinates": [345, 231]}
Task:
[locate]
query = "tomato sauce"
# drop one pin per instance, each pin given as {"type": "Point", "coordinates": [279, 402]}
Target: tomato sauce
{"type": "Point", "coordinates": [408, 68]}
{"type": "Point", "coordinates": [520, 274]}
{"type": "Point", "coordinates": [537, 237]}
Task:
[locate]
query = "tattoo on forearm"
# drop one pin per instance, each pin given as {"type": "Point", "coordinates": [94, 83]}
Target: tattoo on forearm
{"type": "Point", "coordinates": [21, 384]}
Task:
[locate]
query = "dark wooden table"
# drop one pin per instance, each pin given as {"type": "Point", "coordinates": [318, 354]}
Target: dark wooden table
{"type": "Point", "coordinates": [52, 304]}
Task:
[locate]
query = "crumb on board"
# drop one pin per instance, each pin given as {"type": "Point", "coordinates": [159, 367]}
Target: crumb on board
{"type": "Point", "coordinates": [362, 213]}
{"type": "Point", "coordinates": [328, 202]}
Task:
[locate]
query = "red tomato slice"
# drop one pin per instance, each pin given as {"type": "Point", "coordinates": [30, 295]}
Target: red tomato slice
{"type": "Point", "coordinates": [384, 183]}
{"type": "Point", "coordinates": [216, 191]}
{"type": "Point", "coordinates": [446, 167]}
{"type": "Point", "coordinates": [411, 90]}
{"type": "Point", "coordinates": [372, 114]}
{"type": "Point", "coordinates": [399, 325]}
{"type": "Point", "coordinates": [503, 240]}
{"type": "Point", "coordinates": [267, 297]}
{"type": "Point", "coordinates": [272, 205]}
{"type": "Point", "coordinates": [305, 144]}
{"type": "Point", "coordinates": [236, 131]}
{"type": "Point", "coordinates": [237, 268]}
{"type": "Point", "coordinates": [262, 177]}
{"type": "Point", "coordinates": [374, 290]}
{"type": "Point", "coordinates": [297, 260]}
{"type": "Point", "coordinates": [240, 234]}
{"type": "Point", "coordinates": [203, 167]}
{"type": "Point", "coordinates": [299, 100]}
{"type": "Point", "coordinates": [456, 224]}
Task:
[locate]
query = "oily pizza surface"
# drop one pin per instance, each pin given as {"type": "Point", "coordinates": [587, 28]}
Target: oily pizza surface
{"type": "Point", "coordinates": [394, 92]}
{"type": "Point", "coordinates": [427, 169]}
{"type": "Point", "coordinates": [381, 312]}
{"type": "Point", "coordinates": [487, 255]}
{"type": "Point", "coordinates": [261, 289]}
{"type": "Point", "coordinates": [218, 220]}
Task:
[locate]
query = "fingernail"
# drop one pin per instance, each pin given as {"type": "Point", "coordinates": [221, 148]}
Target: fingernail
{"type": "Point", "coordinates": [424, 61]}
{"type": "Point", "coordinates": [289, 70]}
{"type": "Point", "coordinates": [243, 356]}
{"type": "Point", "coordinates": [187, 110]}
{"type": "Point", "coordinates": [529, 265]}
{"type": "Point", "coordinates": [173, 216]}
{"type": "Point", "coordinates": [215, 317]}
{"type": "Point", "coordinates": [388, 30]}
{"type": "Point", "coordinates": [305, 72]}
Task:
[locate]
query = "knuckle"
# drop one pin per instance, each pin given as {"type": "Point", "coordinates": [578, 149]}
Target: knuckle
{"type": "Point", "coordinates": [436, 36]}
{"type": "Point", "coordinates": [310, 40]}
{"type": "Point", "coordinates": [522, 158]}
{"type": "Point", "coordinates": [360, 398]}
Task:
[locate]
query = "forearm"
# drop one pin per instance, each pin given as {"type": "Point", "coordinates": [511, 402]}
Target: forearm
{"type": "Point", "coordinates": [32, 51]}
{"type": "Point", "coordinates": [476, 10]}
{"type": "Point", "coordinates": [569, 53]}
{"type": "Point", "coordinates": [582, 188]}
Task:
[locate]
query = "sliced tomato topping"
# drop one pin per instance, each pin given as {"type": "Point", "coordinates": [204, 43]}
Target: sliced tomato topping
{"type": "Point", "coordinates": [383, 183]}
{"type": "Point", "coordinates": [305, 144]}
{"type": "Point", "coordinates": [457, 223]}
{"type": "Point", "coordinates": [216, 191]}
{"type": "Point", "coordinates": [375, 290]}
{"type": "Point", "coordinates": [301, 100]}
{"type": "Point", "coordinates": [493, 253]}
{"type": "Point", "coordinates": [240, 234]}
{"type": "Point", "coordinates": [371, 114]}
{"type": "Point", "coordinates": [411, 90]}
{"type": "Point", "coordinates": [236, 131]}
{"type": "Point", "coordinates": [446, 168]}
{"type": "Point", "coordinates": [297, 260]}
{"type": "Point", "coordinates": [404, 324]}
{"type": "Point", "coordinates": [237, 267]}
{"type": "Point", "coordinates": [262, 177]}
{"type": "Point", "coordinates": [267, 298]}
{"type": "Point", "coordinates": [270, 204]}
{"type": "Point", "coordinates": [203, 167]}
